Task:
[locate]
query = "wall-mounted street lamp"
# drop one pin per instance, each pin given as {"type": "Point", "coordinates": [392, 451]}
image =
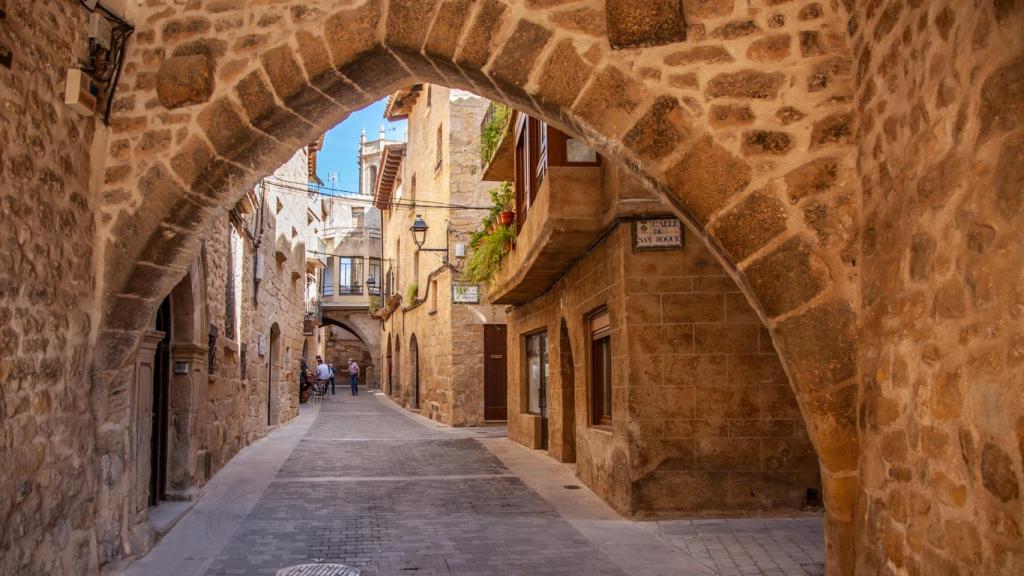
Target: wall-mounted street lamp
{"type": "Point", "coordinates": [419, 236]}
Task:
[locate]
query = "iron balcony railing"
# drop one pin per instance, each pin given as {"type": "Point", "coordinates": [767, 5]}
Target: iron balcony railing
{"type": "Point", "coordinates": [350, 290]}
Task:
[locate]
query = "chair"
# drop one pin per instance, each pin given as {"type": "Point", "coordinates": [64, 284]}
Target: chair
{"type": "Point", "coordinates": [319, 390]}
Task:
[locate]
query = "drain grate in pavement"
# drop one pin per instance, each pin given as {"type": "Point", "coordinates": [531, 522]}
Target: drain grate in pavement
{"type": "Point", "coordinates": [319, 570]}
{"type": "Point", "coordinates": [571, 487]}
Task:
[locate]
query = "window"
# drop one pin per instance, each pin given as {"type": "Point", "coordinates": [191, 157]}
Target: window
{"type": "Point", "coordinates": [233, 286]}
{"type": "Point", "coordinates": [440, 146]}
{"type": "Point", "coordinates": [600, 369]}
{"type": "Point", "coordinates": [327, 288]}
{"type": "Point", "coordinates": [372, 184]}
{"type": "Point", "coordinates": [537, 373]}
{"type": "Point", "coordinates": [350, 275]}
{"type": "Point", "coordinates": [358, 217]}
{"type": "Point", "coordinates": [530, 164]}
{"type": "Point", "coordinates": [374, 272]}
{"type": "Point", "coordinates": [433, 296]}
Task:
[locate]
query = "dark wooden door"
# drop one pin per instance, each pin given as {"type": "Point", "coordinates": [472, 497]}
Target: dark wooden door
{"type": "Point", "coordinates": [495, 372]}
{"type": "Point", "coordinates": [161, 407]}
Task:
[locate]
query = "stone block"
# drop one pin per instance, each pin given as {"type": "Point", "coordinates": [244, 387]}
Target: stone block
{"type": "Point", "coordinates": [178, 29]}
{"type": "Point", "coordinates": [819, 345]}
{"type": "Point", "coordinates": [263, 111]}
{"type": "Point", "coordinates": [750, 225]}
{"type": "Point", "coordinates": [443, 39]}
{"type": "Point", "coordinates": [475, 49]}
{"type": "Point", "coordinates": [812, 178]}
{"type": "Point", "coordinates": [609, 102]}
{"type": "Point", "coordinates": [771, 48]}
{"type": "Point", "coordinates": [729, 115]}
{"type": "Point", "coordinates": [351, 31]}
{"type": "Point", "coordinates": [746, 84]}
{"type": "Point", "coordinates": [833, 129]}
{"type": "Point", "coordinates": [563, 77]}
{"type": "Point", "coordinates": [706, 177]}
{"type": "Point", "coordinates": [787, 277]}
{"type": "Point", "coordinates": [692, 308]}
{"type": "Point", "coordinates": [699, 55]}
{"type": "Point", "coordinates": [708, 8]}
{"type": "Point", "coordinates": [724, 338]}
{"type": "Point", "coordinates": [636, 23]}
{"type": "Point", "coordinates": [659, 131]}
{"type": "Point", "coordinates": [761, 142]}
{"type": "Point", "coordinates": [735, 29]}
{"type": "Point", "coordinates": [184, 80]}
{"type": "Point", "coordinates": [515, 62]}
{"type": "Point", "coordinates": [407, 24]}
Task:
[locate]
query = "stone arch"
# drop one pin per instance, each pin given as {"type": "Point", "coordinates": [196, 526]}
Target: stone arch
{"type": "Point", "coordinates": [414, 372]}
{"type": "Point", "coordinates": [709, 123]}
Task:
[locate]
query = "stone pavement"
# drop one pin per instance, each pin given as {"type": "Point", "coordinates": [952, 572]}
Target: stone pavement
{"type": "Point", "coordinates": [371, 485]}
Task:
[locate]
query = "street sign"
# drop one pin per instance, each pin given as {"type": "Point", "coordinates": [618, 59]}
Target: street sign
{"type": "Point", "coordinates": [465, 293]}
{"type": "Point", "coordinates": [657, 234]}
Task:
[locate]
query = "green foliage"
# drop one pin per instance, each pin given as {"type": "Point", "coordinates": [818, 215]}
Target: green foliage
{"type": "Point", "coordinates": [501, 197]}
{"type": "Point", "coordinates": [374, 303]}
{"type": "Point", "coordinates": [492, 131]}
{"type": "Point", "coordinates": [412, 291]}
{"type": "Point", "coordinates": [489, 250]}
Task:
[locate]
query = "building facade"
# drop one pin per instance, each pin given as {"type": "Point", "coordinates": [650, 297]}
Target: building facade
{"type": "Point", "coordinates": [220, 366]}
{"type": "Point", "coordinates": [435, 328]}
{"type": "Point", "coordinates": [631, 352]}
{"type": "Point", "coordinates": [351, 244]}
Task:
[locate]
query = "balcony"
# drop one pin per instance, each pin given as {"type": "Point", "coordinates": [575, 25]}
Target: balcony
{"type": "Point", "coordinates": [563, 222]}
{"type": "Point", "coordinates": [317, 258]}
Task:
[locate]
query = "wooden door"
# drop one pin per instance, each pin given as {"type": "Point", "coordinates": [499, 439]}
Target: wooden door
{"type": "Point", "coordinates": [495, 372]}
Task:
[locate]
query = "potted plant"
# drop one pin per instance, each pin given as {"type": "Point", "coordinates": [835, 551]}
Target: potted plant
{"type": "Point", "coordinates": [503, 203]}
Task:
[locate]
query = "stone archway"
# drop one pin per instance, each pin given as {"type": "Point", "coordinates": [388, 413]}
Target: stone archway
{"type": "Point", "coordinates": [710, 123]}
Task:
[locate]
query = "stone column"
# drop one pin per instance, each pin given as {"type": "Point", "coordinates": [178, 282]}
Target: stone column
{"type": "Point", "coordinates": [145, 364]}
{"type": "Point", "coordinates": [185, 468]}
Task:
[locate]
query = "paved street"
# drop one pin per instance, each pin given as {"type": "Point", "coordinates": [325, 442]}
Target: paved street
{"type": "Point", "coordinates": [361, 482]}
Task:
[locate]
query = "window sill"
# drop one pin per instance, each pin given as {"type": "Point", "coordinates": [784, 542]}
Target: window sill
{"type": "Point", "coordinates": [603, 428]}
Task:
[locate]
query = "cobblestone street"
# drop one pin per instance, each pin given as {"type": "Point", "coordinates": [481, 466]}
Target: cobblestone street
{"type": "Point", "coordinates": [392, 493]}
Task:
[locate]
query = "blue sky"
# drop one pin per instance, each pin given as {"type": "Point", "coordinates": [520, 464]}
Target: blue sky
{"type": "Point", "coordinates": [341, 144]}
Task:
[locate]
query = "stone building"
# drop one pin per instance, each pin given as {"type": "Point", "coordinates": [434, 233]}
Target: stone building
{"type": "Point", "coordinates": [219, 367]}
{"type": "Point", "coordinates": [351, 241]}
{"type": "Point", "coordinates": [435, 327]}
{"type": "Point", "coordinates": [854, 166]}
{"type": "Point", "coordinates": [631, 351]}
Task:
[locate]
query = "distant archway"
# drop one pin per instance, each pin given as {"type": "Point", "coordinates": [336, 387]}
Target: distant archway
{"type": "Point", "coordinates": [274, 374]}
{"type": "Point", "coordinates": [390, 368]}
{"type": "Point", "coordinates": [414, 371]}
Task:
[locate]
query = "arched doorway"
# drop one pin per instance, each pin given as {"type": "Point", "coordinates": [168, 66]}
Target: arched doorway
{"type": "Point", "coordinates": [414, 371]}
{"type": "Point", "coordinates": [273, 373]}
{"type": "Point", "coordinates": [160, 406]}
{"type": "Point", "coordinates": [564, 447]}
{"type": "Point", "coordinates": [391, 373]}
{"type": "Point", "coordinates": [396, 391]}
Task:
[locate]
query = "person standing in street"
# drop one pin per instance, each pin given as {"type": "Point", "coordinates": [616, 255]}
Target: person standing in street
{"type": "Point", "coordinates": [323, 371]}
{"type": "Point", "coordinates": [353, 375]}
{"type": "Point", "coordinates": [331, 368]}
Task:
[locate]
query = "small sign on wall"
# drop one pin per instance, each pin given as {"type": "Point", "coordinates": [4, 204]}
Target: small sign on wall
{"type": "Point", "coordinates": [466, 293]}
{"type": "Point", "coordinates": [181, 367]}
{"type": "Point", "coordinates": [657, 234]}
{"type": "Point", "coordinates": [261, 344]}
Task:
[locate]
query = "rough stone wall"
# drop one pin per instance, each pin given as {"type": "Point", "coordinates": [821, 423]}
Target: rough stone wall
{"type": "Point", "coordinates": [449, 336]}
{"type": "Point", "coordinates": [941, 142]}
{"type": "Point", "coordinates": [47, 299]}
